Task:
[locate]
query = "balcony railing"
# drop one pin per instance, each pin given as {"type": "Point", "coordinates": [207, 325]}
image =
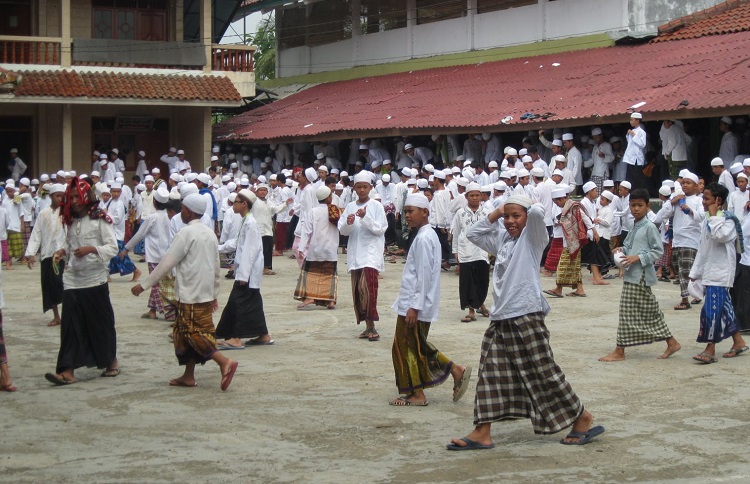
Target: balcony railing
{"type": "Point", "coordinates": [29, 50]}
{"type": "Point", "coordinates": [232, 58]}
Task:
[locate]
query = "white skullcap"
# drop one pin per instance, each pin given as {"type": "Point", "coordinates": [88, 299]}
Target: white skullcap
{"type": "Point", "coordinates": [180, 152]}
{"type": "Point", "coordinates": [407, 146]}
{"type": "Point", "coordinates": [690, 176]}
{"type": "Point", "coordinates": [161, 195]}
{"type": "Point", "coordinates": [311, 174]}
{"type": "Point", "coordinates": [35, 181]}
{"type": "Point", "coordinates": [467, 163]}
{"type": "Point", "coordinates": [527, 159]}
{"type": "Point", "coordinates": [512, 152]}
{"type": "Point", "coordinates": [103, 156]}
{"type": "Point", "coordinates": [417, 200]}
{"type": "Point", "coordinates": [344, 173]}
{"type": "Point", "coordinates": [323, 168]}
{"type": "Point", "coordinates": [726, 119]}
{"type": "Point", "coordinates": [363, 177]}
{"type": "Point", "coordinates": [472, 187]}
{"type": "Point", "coordinates": [504, 174]}
{"type": "Point", "coordinates": [386, 162]}
{"type": "Point", "coordinates": [611, 196]}
{"type": "Point", "coordinates": [334, 171]}
{"type": "Point", "coordinates": [248, 195]}
{"type": "Point", "coordinates": [429, 168]}
{"type": "Point", "coordinates": [61, 173]}
{"type": "Point", "coordinates": [411, 181]}
{"type": "Point", "coordinates": [717, 162]}
{"type": "Point", "coordinates": [608, 183]}
{"type": "Point", "coordinates": [386, 177]}
{"type": "Point", "coordinates": [274, 176]}
{"type": "Point", "coordinates": [486, 189]}
{"type": "Point", "coordinates": [155, 170]}
{"type": "Point", "coordinates": [558, 173]}
{"type": "Point", "coordinates": [339, 186]}
{"type": "Point", "coordinates": [615, 139]}
{"type": "Point", "coordinates": [191, 177]}
{"type": "Point", "coordinates": [455, 170]}
{"type": "Point", "coordinates": [118, 179]}
{"type": "Point", "coordinates": [422, 183]}
{"type": "Point", "coordinates": [523, 152]}
{"type": "Point", "coordinates": [231, 186]}
{"type": "Point", "coordinates": [567, 137]}
{"type": "Point", "coordinates": [320, 156]}
{"type": "Point", "coordinates": [261, 185]}
{"type": "Point", "coordinates": [668, 183]}
{"type": "Point", "coordinates": [627, 184]}
{"type": "Point", "coordinates": [71, 173]}
{"type": "Point", "coordinates": [596, 132]}
{"type": "Point", "coordinates": [104, 189]}
{"type": "Point", "coordinates": [746, 162]}
{"type": "Point", "coordinates": [363, 147]}
{"type": "Point", "coordinates": [57, 188]}
{"type": "Point", "coordinates": [44, 177]}
{"type": "Point", "coordinates": [188, 189]}
{"type": "Point", "coordinates": [558, 193]}
{"type": "Point", "coordinates": [176, 177]}
{"type": "Point", "coordinates": [460, 158]}
{"type": "Point", "coordinates": [195, 203]}
{"type": "Point", "coordinates": [262, 179]}
{"type": "Point", "coordinates": [742, 175]}
{"type": "Point", "coordinates": [232, 197]}
{"type": "Point", "coordinates": [735, 168]}
{"type": "Point", "coordinates": [116, 186]}
{"type": "Point", "coordinates": [322, 193]}
{"type": "Point", "coordinates": [244, 182]}
{"type": "Point", "coordinates": [560, 158]}
{"type": "Point", "coordinates": [492, 164]}
{"type": "Point", "coordinates": [537, 172]}
{"type": "Point", "coordinates": [214, 158]}
{"type": "Point", "coordinates": [636, 116]}
{"type": "Point", "coordinates": [664, 191]}
{"type": "Point", "coordinates": [521, 200]}
{"type": "Point", "coordinates": [522, 173]}
{"type": "Point", "coordinates": [588, 186]}
{"type": "Point", "coordinates": [226, 178]}
{"type": "Point", "coordinates": [233, 165]}
{"type": "Point", "coordinates": [462, 181]}
{"type": "Point", "coordinates": [174, 194]}
{"type": "Point", "coordinates": [141, 187]}
{"type": "Point", "coordinates": [24, 181]}
{"type": "Point", "coordinates": [500, 186]}
{"type": "Point", "coordinates": [440, 174]}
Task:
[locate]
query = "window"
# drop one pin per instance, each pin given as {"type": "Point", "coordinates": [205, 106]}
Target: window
{"type": "Point", "coordinates": [437, 10]}
{"type": "Point", "coordinates": [382, 15]}
{"type": "Point", "coordinates": [129, 19]}
{"type": "Point", "coordinates": [315, 24]}
{"type": "Point", "coordinates": [484, 6]}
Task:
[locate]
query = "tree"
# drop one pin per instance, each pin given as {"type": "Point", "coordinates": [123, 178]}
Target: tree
{"type": "Point", "coordinates": [265, 40]}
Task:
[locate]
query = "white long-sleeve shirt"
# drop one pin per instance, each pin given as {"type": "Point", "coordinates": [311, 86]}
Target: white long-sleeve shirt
{"type": "Point", "coordinates": [716, 260]}
{"type": "Point", "coordinates": [154, 230]}
{"type": "Point", "coordinates": [48, 234]}
{"type": "Point", "coordinates": [602, 163]}
{"type": "Point", "coordinates": [729, 148]}
{"type": "Point", "coordinates": [263, 211]}
{"type": "Point", "coordinates": [440, 201]}
{"type": "Point", "coordinates": [674, 142]}
{"type": "Point", "coordinates": [13, 214]}
{"type": "Point", "coordinates": [366, 235]}
{"type": "Point", "coordinates": [686, 228]}
{"type": "Point", "coordinates": [230, 229]}
{"type": "Point", "coordinates": [19, 168]}
{"type": "Point", "coordinates": [516, 264]}
{"type": "Point", "coordinates": [466, 250]}
{"type": "Point", "coordinates": [575, 164]}
{"type": "Point", "coordinates": [194, 256]}
{"type": "Point", "coordinates": [118, 214]}
{"type": "Point", "coordinates": [726, 179]}
{"type": "Point", "coordinates": [736, 203]}
{"type": "Point", "coordinates": [307, 200]}
{"type": "Point", "coordinates": [248, 257]}
{"type": "Point", "coordinates": [320, 238]}
{"type": "Point", "coordinates": [635, 152]}
{"type": "Point", "coordinates": [420, 281]}
{"type": "Point", "coordinates": [92, 269]}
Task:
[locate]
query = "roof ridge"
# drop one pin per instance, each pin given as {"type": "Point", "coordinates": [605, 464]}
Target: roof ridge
{"type": "Point", "coordinates": [701, 15]}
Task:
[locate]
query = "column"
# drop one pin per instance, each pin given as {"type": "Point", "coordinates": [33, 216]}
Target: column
{"type": "Point", "coordinates": [66, 54]}
{"type": "Point", "coordinates": [206, 39]}
{"type": "Point", "coordinates": [67, 137]}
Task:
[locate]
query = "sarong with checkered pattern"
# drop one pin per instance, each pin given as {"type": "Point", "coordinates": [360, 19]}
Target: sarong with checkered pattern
{"type": "Point", "coordinates": [682, 261]}
{"type": "Point", "coordinates": [518, 377]}
{"type": "Point", "coordinates": [641, 320]}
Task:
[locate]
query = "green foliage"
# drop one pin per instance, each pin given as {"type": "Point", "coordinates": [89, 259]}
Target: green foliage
{"type": "Point", "coordinates": [265, 40]}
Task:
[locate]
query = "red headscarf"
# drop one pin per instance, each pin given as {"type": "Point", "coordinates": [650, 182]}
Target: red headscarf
{"type": "Point", "coordinates": [86, 193]}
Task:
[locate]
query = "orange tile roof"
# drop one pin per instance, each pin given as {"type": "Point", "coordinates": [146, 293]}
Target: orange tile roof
{"type": "Point", "coordinates": [72, 84]}
{"type": "Point", "coordinates": [725, 18]}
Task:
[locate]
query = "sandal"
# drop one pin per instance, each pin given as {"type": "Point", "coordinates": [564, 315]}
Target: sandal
{"type": "Point", "coordinates": [734, 352]}
{"type": "Point", "coordinates": [705, 358]}
{"type": "Point", "coordinates": [485, 313]}
{"type": "Point", "coordinates": [682, 306]}
{"type": "Point", "coordinates": [374, 336]}
{"type": "Point", "coordinates": [110, 372]}
{"type": "Point", "coordinates": [552, 293]}
{"type": "Point", "coordinates": [364, 334]}
{"type": "Point", "coordinates": [468, 319]}
{"type": "Point", "coordinates": [696, 301]}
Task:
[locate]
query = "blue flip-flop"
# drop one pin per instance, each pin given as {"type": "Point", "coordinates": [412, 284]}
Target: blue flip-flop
{"type": "Point", "coordinates": [470, 445]}
{"type": "Point", "coordinates": [583, 437]}
{"type": "Point", "coordinates": [229, 347]}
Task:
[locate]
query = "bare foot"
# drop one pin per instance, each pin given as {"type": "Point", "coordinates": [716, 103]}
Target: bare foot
{"type": "Point", "coordinates": [671, 349]}
{"type": "Point", "coordinates": [182, 382]}
{"type": "Point", "coordinates": [136, 275]}
{"type": "Point", "coordinates": [616, 355]}
{"type": "Point", "coordinates": [582, 424]}
{"type": "Point", "coordinates": [54, 322]}
{"type": "Point", "coordinates": [479, 435]}
{"type": "Point", "coordinates": [601, 283]}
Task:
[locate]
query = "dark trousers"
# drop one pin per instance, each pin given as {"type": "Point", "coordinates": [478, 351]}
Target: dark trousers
{"type": "Point", "coordinates": [546, 249]}
{"type": "Point", "coordinates": [445, 250]}
{"type": "Point", "coordinates": [267, 251]}
{"type": "Point", "coordinates": [290, 231]}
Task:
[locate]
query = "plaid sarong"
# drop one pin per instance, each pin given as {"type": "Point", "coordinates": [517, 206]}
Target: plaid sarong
{"type": "Point", "coordinates": [682, 261]}
{"type": "Point", "coordinates": [25, 233]}
{"type": "Point", "coordinates": [154, 297]}
{"type": "Point", "coordinates": [718, 321]}
{"type": "Point", "coordinates": [518, 377]}
{"type": "Point", "coordinates": [168, 297]}
{"type": "Point", "coordinates": [193, 333]}
{"type": "Point", "coordinates": [569, 271]}
{"type": "Point", "coordinates": [641, 320]}
{"type": "Point", "coordinates": [665, 257]}
{"type": "Point", "coordinates": [6, 255]}
{"type": "Point", "coordinates": [365, 294]}
{"type": "Point", "coordinates": [16, 247]}
{"type": "Point", "coordinates": [318, 280]}
{"type": "Point", "coordinates": [417, 363]}
{"type": "Point", "coordinates": [553, 255]}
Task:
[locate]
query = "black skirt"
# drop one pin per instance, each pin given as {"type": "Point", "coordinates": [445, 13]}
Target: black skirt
{"type": "Point", "coordinates": [87, 329]}
{"type": "Point", "coordinates": [741, 298]}
{"type": "Point", "coordinates": [597, 254]}
{"type": "Point", "coordinates": [243, 316]}
{"type": "Point", "coordinates": [52, 284]}
{"type": "Point", "coordinates": [473, 283]}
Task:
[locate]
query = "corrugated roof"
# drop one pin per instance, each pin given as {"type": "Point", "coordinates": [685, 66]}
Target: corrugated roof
{"type": "Point", "coordinates": [72, 84]}
{"type": "Point", "coordinates": [725, 18]}
{"type": "Point", "coordinates": [710, 73]}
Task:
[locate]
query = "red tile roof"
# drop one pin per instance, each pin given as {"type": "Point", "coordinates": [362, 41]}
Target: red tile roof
{"type": "Point", "coordinates": [728, 17]}
{"type": "Point", "coordinates": [72, 84]}
{"type": "Point", "coordinates": [587, 87]}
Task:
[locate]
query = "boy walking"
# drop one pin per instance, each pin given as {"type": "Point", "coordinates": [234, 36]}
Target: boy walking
{"type": "Point", "coordinates": [641, 320]}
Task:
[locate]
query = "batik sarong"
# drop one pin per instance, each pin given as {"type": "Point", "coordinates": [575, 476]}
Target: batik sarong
{"type": "Point", "coordinates": [318, 280]}
{"type": "Point", "coordinates": [569, 271]}
{"type": "Point", "coordinates": [168, 298]}
{"type": "Point", "coordinates": [417, 363]}
{"type": "Point", "coordinates": [25, 233]}
{"type": "Point", "coordinates": [718, 321]}
{"type": "Point", "coordinates": [641, 320]}
{"type": "Point", "coordinates": [518, 377]}
{"type": "Point", "coordinates": [154, 297]}
{"type": "Point", "coordinates": [122, 266]}
{"type": "Point", "coordinates": [365, 294]}
{"type": "Point", "coordinates": [193, 333]}
{"type": "Point", "coordinates": [15, 244]}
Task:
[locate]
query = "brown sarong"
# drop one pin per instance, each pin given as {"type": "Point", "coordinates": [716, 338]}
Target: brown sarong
{"type": "Point", "coordinates": [194, 339]}
{"type": "Point", "coordinates": [417, 363]}
{"type": "Point", "coordinates": [317, 280]}
{"type": "Point", "coordinates": [569, 270]}
{"type": "Point", "coordinates": [365, 293]}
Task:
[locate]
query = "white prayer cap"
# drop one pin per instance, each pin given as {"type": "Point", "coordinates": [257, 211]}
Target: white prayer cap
{"type": "Point", "coordinates": [467, 163]}
{"type": "Point", "coordinates": [320, 156]}
{"type": "Point", "coordinates": [155, 170]}
{"type": "Point", "coordinates": [148, 178]}
{"type": "Point", "coordinates": [195, 203]}
{"type": "Point", "coordinates": [717, 162]}
{"type": "Point", "coordinates": [500, 186]}
{"type": "Point", "coordinates": [119, 179]}
{"type": "Point", "coordinates": [215, 149]}
{"type": "Point", "coordinates": [190, 177]}
{"type": "Point", "coordinates": [521, 200]}
{"type": "Point", "coordinates": [460, 158]}
{"type": "Point", "coordinates": [47, 187]}
{"type": "Point", "coordinates": [411, 181]}
{"type": "Point", "coordinates": [35, 181]}
{"type": "Point", "coordinates": [468, 173]}
{"type": "Point", "coordinates": [116, 186]}
{"type": "Point", "coordinates": [726, 119]}
{"type": "Point", "coordinates": [568, 137]}
{"type": "Point", "coordinates": [142, 154]}
{"type": "Point", "coordinates": [322, 193]}
{"type": "Point", "coordinates": [261, 185]}
{"type": "Point", "coordinates": [172, 148]}
{"type": "Point", "coordinates": [464, 182]}
{"type": "Point", "coordinates": [244, 182]}
{"type": "Point", "coordinates": [486, 189]}
{"type": "Point", "coordinates": [407, 146]}
{"type": "Point", "coordinates": [44, 177]}
{"type": "Point", "coordinates": [523, 152]}
{"type": "Point", "coordinates": [512, 152]}
{"type": "Point", "coordinates": [10, 184]}
{"type": "Point", "coordinates": [429, 168]}
{"type": "Point", "coordinates": [537, 172]}
{"type": "Point", "coordinates": [232, 197]}
{"type": "Point", "coordinates": [615, 139]}
{"type": "Point", "coordinates": [636, 116]}
{"type": "Point", "coordinates": [115, 151]}
{"type": "Point", "coordinates": [268, 159]}
{"type": "Point", "coordinates": [556, 142]}
{"type": "Point", "coordinates": [175, 177]}
{"type": "Point", "coordinates": [334, 171]}
{"type": "Point", "coordinates": [627, 184]}
{"type": "Point", "coordinates": [472, 187]}
{"type": "Point", "coordinates": [492, 164]}
{"type": "Point", "coordinates": [609, 183]}
{"type": "Point", "coordinates": [24, 181]}
{"type": "Point", "coordinates": [274, 176]}
{"type": "Point", "coordinates": [504, 174]}
{"type": "Point", "coordinates": [512, 172]}
{"type": "Point", "coordinates": [161, 195]}
{"type": "Point", "coordinates": [422, 183]}
{"type": "Point", "coordinates": [323, 168]}
{"type": "Point", "coordinates": [668, 183]}
{"type": "Point", "coordinates": [232, 156]}
{"type": "Point", "coordinates": [248, 195]}
{"type": "Point", "coordinates": [558, 193]}
{"type": "Point", "coordinates": [343, 173]}
{"type": "Point", "coordinates": [57, 188]}
{"type": "Point", "coordinates": [505, 150]}
{"type": "Point", "coordinates": [231, 186]}
{"type": "Point", "coordinates": [233, 165]}
{"type": "Point", "coordinates": [71, 173]}
{"type": "Point", "coordinates": [311, 174]}
{"type": "Point", "coordinates": [611, 196]}
{"type": "Point", "coordinates": [140, 187]}
{"type": "Point", "coordinates": [363, 147]}
{"type": "Point", "coordinates": [174, 194]}
{"type": "Point", "coordinates": [596, 132]}
{"type": "Point", "coordinates": [440, 174]}
{"type": "Point", "coordinates": [523, 172]}
{"type": "Point", "coordinates": [187, 189]}
{"type": "Point", "coordinates": [417, 200]}
{"type": "Point", "coordinates": [103, 156]}
{"type": "Point", "coordinates": [527, 159]}
{"type": "Point", "coordinates": [363, 177]}
{"type": "Point", "coordinates": [735, 168]}
{"type": "Point", "coordinates": [588, 186]}
{"type": "Point", "coordinates": [386, 178]}
{"type": "Point", "coordinates": [742, 175]}
{"type": "Point", "coordinates": [95, 173]}
{"type": "Point", "coordinates": [262, 179]}
{"type": "Point", "coordinates": [386, 162]}
{"type": "Point", "coordinates": [180, 152]}
{"type": "Point", "coordinates": [664, 191]}
{"type": "Point", "coordinates": [688, 176]}
{"type": "Point", "coordinates": [103, 189]}
{"type": "Point", "coordinates": [560, 158]}
{"type": "Point", "coordinates": [455, 170]}
{"type": "Point", "coordinates": [339, 186]}
{"type": "Point", "coordinates": [214, 158]}
{"type": "Point", "coordinates": [746, 162]}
